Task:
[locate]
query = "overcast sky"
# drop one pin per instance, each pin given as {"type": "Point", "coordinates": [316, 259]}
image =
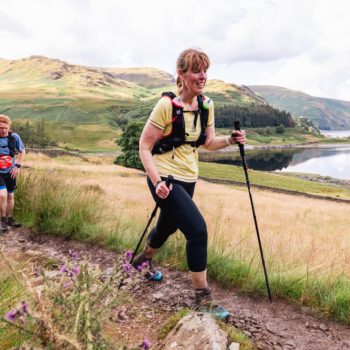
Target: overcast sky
{"type": "Point", "coordinates": [298, 44]}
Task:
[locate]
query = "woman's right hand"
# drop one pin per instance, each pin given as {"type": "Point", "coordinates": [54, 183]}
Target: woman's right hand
{"type": "Point", "coordinates": [162, 190]}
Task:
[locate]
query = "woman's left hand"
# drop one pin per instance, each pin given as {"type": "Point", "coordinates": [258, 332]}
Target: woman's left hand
{"type": "Point", "coordinates": [238, 136]}
{"type": "Point", "coordinates": [14, 172]}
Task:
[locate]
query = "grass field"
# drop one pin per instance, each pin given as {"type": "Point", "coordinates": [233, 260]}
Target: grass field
{"type": "Point", "coordinates": [306, 241]}
{"type": "Point", "coordinates": [86, 138]}
{"type": "Point", "coordinates": [235, 173]}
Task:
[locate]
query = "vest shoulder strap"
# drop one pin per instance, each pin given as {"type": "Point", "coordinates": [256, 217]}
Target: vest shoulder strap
{"type": "Point", "coordinates": [11, 144]}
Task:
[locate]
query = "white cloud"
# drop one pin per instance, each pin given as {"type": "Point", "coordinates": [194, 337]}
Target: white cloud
{"type": "Point", "coordinates": [297, 44]}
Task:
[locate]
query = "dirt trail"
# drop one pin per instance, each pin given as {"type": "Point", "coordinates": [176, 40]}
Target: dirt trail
{"type": "Point", "coordinates": [271, 326]}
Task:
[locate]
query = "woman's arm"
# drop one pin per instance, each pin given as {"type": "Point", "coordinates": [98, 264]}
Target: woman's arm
{"type": "Point", "coordinates": [150, 135]}
{"type": "Point", "coordinates": [214, 143]}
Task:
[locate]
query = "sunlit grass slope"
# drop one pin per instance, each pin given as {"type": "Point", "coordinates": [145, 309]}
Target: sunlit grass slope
{"type": "Point", "coordinates": [85, 137]}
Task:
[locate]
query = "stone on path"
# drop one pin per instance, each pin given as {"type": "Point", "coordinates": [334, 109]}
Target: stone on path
{"type": "Point", "coordinates": [196, 331]}
{"type": "Point", "coordinates": [233, 346]}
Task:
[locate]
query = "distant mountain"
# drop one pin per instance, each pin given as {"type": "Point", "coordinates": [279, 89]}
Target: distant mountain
{"type": "Point", "coordinates": [38, 87]}
{"type": "Point", "coordinates": [325, 113]}
{"type": "Point", "coordinates": [147, 77]}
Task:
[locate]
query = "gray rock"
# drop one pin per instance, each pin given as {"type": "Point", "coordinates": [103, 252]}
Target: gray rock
{"type": "Point", "coordinates": [247, 333]}
{"type": "Point", "coordinates": [53, 274]}
{"type": "Point", "coordinates": [272, 329]}
{"type": "Point", "coordinates": [323, 327]}
{"type": "Point", "coordinates": [233, 346]}
{"type": "Point", "coordinates": [158, 296]}
{"type": "Point", "coordinates": [196, 331]}
{"type": "Point", "coordinates": [284, 335]}
{"type": "Point", "coordinates": [290, 344]}
{"type": "Point", "coordinates": [253, 329]}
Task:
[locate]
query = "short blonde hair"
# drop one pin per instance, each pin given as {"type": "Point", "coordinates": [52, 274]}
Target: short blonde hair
{"type": "Point", "coordinates": [5, 119]}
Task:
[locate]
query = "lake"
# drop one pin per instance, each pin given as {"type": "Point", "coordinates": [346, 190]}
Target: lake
{"type": "Point", "coordinates": [325, 160]}
{"type": "Point", "coordinates": [336, 133]}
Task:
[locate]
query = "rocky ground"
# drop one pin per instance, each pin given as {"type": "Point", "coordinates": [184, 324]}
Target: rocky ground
{"type": "Point", "coordinates": [271, 326]}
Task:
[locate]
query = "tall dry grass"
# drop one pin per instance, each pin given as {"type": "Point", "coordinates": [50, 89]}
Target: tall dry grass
{"type": "Point", "coordinates": [306, 241]}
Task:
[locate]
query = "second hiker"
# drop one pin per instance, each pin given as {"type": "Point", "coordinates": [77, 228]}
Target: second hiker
{"type": "Point", "coordinates": [10, 166]}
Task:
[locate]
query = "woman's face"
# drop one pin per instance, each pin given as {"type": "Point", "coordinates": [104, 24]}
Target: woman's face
{"type": "Point", "coordinates": [194, 81]}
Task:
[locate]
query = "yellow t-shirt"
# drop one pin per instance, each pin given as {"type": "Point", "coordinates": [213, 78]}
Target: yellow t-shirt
{"type": "Point", "coordinates": [182, 162]}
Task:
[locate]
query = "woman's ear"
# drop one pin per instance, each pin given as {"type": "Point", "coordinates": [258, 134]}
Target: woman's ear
{"type": "Point", "coordinates": [180, 74]}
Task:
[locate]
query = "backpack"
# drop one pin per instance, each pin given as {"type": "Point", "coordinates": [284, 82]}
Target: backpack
{"type": "Point", "coordinates": [11, 144]}
{"type": "Point", "coordinates": [177, 137]}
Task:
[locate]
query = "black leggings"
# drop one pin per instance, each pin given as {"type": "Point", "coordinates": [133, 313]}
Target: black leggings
{"type": "Point", "coordinates": [178, 211]}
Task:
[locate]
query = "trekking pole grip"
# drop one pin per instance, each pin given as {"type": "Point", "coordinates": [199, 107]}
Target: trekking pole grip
{"type": "Point", "coordinates": [241, 147]}
{"type": "Point", "coordinates": [236, 124]}
{"type": "Point", "coordinates": [169, 180]}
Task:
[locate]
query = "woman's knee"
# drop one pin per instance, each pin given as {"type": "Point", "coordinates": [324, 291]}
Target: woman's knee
{"type": "Point", "coordinates": [199, 233]}
{"type": "Point", "coordinates": [3, 194]}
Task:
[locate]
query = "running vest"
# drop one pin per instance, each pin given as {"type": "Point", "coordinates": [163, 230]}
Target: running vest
{"type": "Point", "coordinates": [6, 160]}
{"type": "Point", "coordinates": [177, 136]}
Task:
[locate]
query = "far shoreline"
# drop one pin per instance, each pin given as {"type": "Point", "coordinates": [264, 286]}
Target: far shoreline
{"type": "Point", "coordinates": [249, 147]}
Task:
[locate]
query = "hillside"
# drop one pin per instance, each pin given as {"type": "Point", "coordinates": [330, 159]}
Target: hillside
{"type": "Point", "coordinates": [325, 113]}
{"type": "Point", "coordinates": [147, 77]}
{"type": "Point", "coordinates": [42, 88]}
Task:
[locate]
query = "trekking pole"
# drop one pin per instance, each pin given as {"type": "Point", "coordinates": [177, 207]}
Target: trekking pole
{"type": "Point", "coordinates": [167, 182]}
{"type": "Point", "coordinates": [244, 163]}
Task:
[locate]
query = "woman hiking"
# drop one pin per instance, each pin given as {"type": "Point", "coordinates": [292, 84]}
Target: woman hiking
{"type": "Point", "coordinates": [175, 129]}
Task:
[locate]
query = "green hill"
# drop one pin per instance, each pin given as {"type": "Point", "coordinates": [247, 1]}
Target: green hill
{"type": "Point", "coordinates": [85, 107]}
{"type": "Point", "coordinates": [325, 113]}
{"type": "Point", "coordinates": [50, 89]}
{"type": "Point", "coordinates": [41, 88]}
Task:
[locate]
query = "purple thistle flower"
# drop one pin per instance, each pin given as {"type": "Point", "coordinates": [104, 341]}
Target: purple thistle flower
{"type": "Point", "coordinates": [67, 284]}
{"type": "Point", "coordinates": [145, 265]}
{"type": "Point", "coordinates": [126, 267]}
{"type": "Point", "coordinates": [11, 315]}
{"type": "Point", "coordinates": [146, 344]}
{"type": "Point", "coordinates": [63, 269]}
{"type": "Point", "coordinates": [76, 270]}
{"type": "Point", "coordinates": [139, 267]}
{"type": "Point", "coordinates": [74, 255]}
{"type": "Point", "coordinates": [129, 254]}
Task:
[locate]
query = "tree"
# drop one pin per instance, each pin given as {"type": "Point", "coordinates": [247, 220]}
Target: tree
{"type": "Point", "coordinates": [33, 133]}
{"type": "Point", "coordinates": [280, 129]}
{"type": "Point", "coordinates": [129, 142]}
